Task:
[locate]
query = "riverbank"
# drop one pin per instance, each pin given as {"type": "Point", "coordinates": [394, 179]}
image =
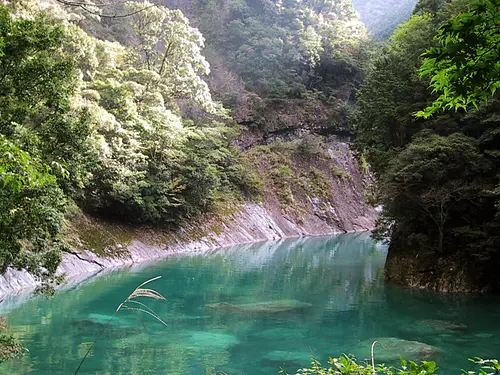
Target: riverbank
{"type": "Point", "coordinates": [334, 205]}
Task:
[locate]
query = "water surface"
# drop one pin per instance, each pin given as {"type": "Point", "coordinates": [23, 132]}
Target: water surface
{"type": "Point", "coordinates": [337, 283]}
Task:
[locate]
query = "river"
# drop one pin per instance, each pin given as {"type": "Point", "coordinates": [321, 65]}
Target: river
{"type": "Point", "coordinates": [327, 297]}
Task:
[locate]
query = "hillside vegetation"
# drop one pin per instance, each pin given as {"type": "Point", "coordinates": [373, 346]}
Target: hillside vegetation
{"type": "Point", "coordinates": [114, 109]}
{"type": "Point", "coordinates": [381, 17]}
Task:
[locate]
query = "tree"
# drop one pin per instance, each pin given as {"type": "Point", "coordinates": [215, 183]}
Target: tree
{"type": "Point", "coordinates": [391, 92]}
{"type": "Point", "coordinates": [170, 47]}
{"type": "Point", "coordinates": [381, 17]}
{"type": "Point", "coordinates": [465, 68]}
{"type": "Point", "coordinates": [438, 174]}
{"type": "Point", "coordinates": [37, 81]}
{"type": "Point", "coordinates": [31, 213]}
{"type": "Point", "coordinates": [431, 178]}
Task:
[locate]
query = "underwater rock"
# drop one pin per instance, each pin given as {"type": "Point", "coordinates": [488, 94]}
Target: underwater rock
{"type": "Point", "coordinates": [433, 325]}
{"type": "Point", "coordinates": [228, 371]}
{"type": "Point", "coordinates": [87, 325]}
{"type": "Point", "coordinates": [287, 356]}
{"type": "Point", "coordinates": [484, 335]}
{"type": "Point", "coordinates": [208, 340]}
{"type": "Point", "coordinates": [395, 348]}
{"type": "Point", "coordinates": [183, 318]}
{"type": "Point", "coordinates": [282, 334]}
{"type": "Point", "coordinates": [100, 318]}
{"type": "Point", "coordinates": [99, 321]}
{"type": "Point", "coordinates": [270, 307]}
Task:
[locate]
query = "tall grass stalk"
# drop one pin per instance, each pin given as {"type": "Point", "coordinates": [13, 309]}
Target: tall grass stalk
{"type": "Point", "coordinates": [373, 355]}
{"type": "Point", "coordinates": [131, 304]}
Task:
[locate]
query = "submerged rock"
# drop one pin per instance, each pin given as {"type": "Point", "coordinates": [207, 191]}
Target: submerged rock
{"type": "Point", "coordinates": [208, 340]}
{"type": "Point", "coordinates": [435, 325]}
{"type": "Point", "coordinates": [281, 334]}
{"type": "Point", "coordinates": [484, 335]}
{"type": "Point", "coordinates": [261, 307]}
{"type": "Point", "coordinates": [395, 348]}
{"type": "Point", "coordinates": [101, 318]}
{"type": "Point", "coordinates": [228, 371]}
{"type": "Point", "coordinates": [288, 356]}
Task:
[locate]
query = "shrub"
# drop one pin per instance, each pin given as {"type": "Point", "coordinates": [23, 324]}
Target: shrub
{"type": "Point", "coordinates": [311, 147]}
{"type": "Point", "coordinates": [347, 365]}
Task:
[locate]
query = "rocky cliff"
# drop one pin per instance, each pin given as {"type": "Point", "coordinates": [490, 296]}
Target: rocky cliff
{"type": "Point", "coordinates": [313, 186]}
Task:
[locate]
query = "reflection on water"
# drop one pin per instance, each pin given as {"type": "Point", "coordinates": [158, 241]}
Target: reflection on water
{"type": "Point", "coordinates": [271, 305]}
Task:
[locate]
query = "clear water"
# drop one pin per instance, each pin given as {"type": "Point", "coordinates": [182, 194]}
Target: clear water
{"type": "Point", "coordinates": [341, 277]}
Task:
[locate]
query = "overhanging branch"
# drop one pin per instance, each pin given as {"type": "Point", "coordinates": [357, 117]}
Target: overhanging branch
{"type": "Point", "coordinates": [85, 7]}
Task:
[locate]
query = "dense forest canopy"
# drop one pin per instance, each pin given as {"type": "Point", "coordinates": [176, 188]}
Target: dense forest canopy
{"type": "Point", "coordinates": [122, 109]}
{"type": "Point", "coordinates": [266, 52]}
{"type": "Point", "coordinates": [129, 110]}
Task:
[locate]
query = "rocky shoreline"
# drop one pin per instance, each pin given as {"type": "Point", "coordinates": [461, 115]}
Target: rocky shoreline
{"type": "Point", "coordinates": [252, 224]}
{"type": "Point", "coordinates": [343, 209]}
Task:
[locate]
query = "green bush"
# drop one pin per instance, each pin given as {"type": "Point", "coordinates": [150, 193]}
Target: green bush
{"type": "Point", "coordinates": [347, 365]}
{"type": "Point", "coordinates": [311, 147]}
{"type": "Point", "coordinates": [281, 176]}
{"type": "Point", "coordinates": [9, 346]}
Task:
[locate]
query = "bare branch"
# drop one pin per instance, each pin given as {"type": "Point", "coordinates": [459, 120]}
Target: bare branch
{"type": "Point", "coordinates": [84, 6]}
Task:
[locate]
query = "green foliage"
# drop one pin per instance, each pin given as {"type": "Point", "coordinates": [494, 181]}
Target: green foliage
{"type": "Point", "coordinates": [486, 366]}
{"type": "Point", "coordinates": [317, 184]}
{"type": "Point", "coordinates": [347, 365]}
{"type": "Point", "coordinates": [311, 147]}
{"type": "Point", "coordinates": [31, 212]}
{"type": "Point", "coordinates": [168, 46]}
{"type": "Point", "coordinates": [465, 67]}
{"type": "Point", "coordinates": [37, 82]}
{"type": "Point", "coordinates": [392, 91]}
{"type": "Point", "coordinates": [9, 346]}
{"type": "Point", "coordinates": [125, 132]}
{"type": "Point", "coordinates": [41, 144]}
{"type": "Point", "coordinates": [284, 49]}
{"type": "Point", "coordinates": [437, 175]}
{"type": "Point", "coordinates": [381, 17]}
{"type": "Point", "coordinates": [282, 176]}
{"type": "Point", "coordinates": [430, 180]}
{"type": "Point", "coordinates": [339, 172]}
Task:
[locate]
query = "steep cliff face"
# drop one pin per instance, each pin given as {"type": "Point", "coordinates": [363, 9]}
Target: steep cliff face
{"type": "Point", "coordinates": [302, 195]}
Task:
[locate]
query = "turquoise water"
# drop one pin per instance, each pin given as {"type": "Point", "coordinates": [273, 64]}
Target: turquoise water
{"type": "Point", "coordinates": [335, 283]}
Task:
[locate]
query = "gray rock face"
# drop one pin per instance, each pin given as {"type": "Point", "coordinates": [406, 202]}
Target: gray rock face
{"type": "Point", "coordinates": [271, 307]}
{"type": "Point", "coordinates": [250, 223]}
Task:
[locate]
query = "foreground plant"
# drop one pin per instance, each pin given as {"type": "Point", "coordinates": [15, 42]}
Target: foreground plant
{"type": "Point", "coordinates": [9, 345]}
{"type": "Point", "coordinates": [132, 304]}
{"type": "Point", "coordinates": [347, 365]}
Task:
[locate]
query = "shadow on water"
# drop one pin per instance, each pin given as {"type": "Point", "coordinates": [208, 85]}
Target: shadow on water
{"type": "Point", "coordinates": [252, 309]}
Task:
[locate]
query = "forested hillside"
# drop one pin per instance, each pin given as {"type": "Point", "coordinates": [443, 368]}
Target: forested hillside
{"type": "Point", "coordinates": [129, 110]}
{"type": "Point", "coordinates": [302, 60]}
{"type": "Point", "coordinates": [155, 113]}
{"type": "Point", "coordinates": [381, 17]}
{"type": "Point", "coordinates": [435, 150]}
